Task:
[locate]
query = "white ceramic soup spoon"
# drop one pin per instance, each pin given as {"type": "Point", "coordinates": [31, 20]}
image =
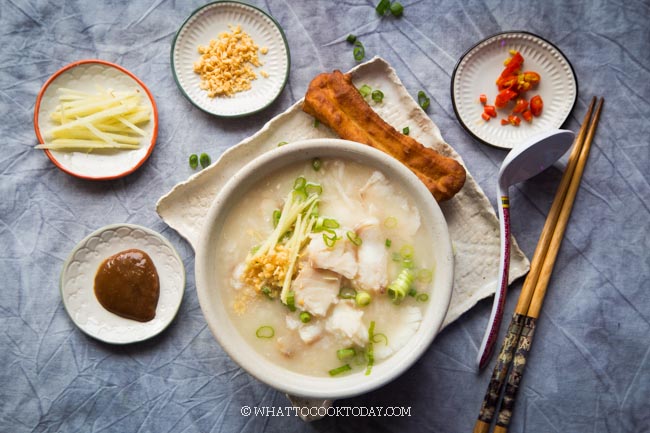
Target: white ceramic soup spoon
{"type": "Point", "coordinates": [523, 162]}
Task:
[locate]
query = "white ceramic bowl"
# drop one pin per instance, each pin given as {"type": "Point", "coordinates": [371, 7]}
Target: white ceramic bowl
{"type": "Point", "coordinates": [211, 298]}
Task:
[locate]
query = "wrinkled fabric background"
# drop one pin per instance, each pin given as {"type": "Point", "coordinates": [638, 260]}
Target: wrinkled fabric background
{"type": "Point", "coordinates": [589, 369]}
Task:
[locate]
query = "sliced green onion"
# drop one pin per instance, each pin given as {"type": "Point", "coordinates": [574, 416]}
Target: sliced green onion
{"type": "Point", "coordinates": [422, 297]}
{"type": "Point", "coordinates": [339, 370]}
{"type": "Point", "coordinates": [423, 100]}
{"type": "Point", "coordinates": [396, 9]}
{"type": "Point", "coordinates": [412, 292]}
{"type": "Point", "coordinates": [299, 183]}
{"type": "Point", "coordinates": [362, 299]}
{"type": "Point", "coordinates": [398, 289]}
{"type": "Point", "coordinates": [265, 332]}
{"type": "Point", "coordinates": [316, 123]}
{"type": "Point", "coordinates": [326, 224]}
{"type": "Point", "coordinates": [407, 263]}
{"type": "Point", "coordinates": [345, 353]}
{"type": "Point", "coordinates": [204, 159]}
{"type": "Point", "coordinates": [382, 7]}
{"type": "Point", "coordinates": [313, 188]}
{"type": "Point", "coordinates": [351, 38]}
{"type": "Point", "coordinates": [316, 164]}
{"type": "Point", "coordinates": [370, 352]}
{"type": "Point", "coordinates": [282, 143]}
{"type": "Point", "coordinates": [359, 51]}
{"type": "Point", "coordinates": [390, 222]}
{"type": "Point", "coordinates": [388, 243]}
{"type": "Point", "coordinates": [291, 300]}
{"type": "Point", "coordinates": [194, 161]}
{"type": "Point", "coordinates": [354, 238]}
{"type": "Point", "coordinates": [406, 130]}
{"type": "Point", "coordinates": [330, 240]}
{"type": "Point", "coordinates": [406, 251]}
{"type": "Point", "coordinates": [397, 257]}
{"type": "Point", "coordinates": [365, 90]}
{"type": "Point", "coordinates": [347, 293]}
{"type": "Point", "coordinates": [276, 217]}
{"type": "Point", "coordinates": [305, 317]}
{"type": "Point", "coordinates": [380, 338]}
{"type": "Point", "coordinates": [267, 291]}
{"type": "Point", "coordinates": [377, 95]}
{"type": "Point", "coordinates": [424, 276]}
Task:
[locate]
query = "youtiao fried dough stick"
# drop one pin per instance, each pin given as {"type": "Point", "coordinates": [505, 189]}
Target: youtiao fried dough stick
{"type": "Point", "coordinates": [334, 101]}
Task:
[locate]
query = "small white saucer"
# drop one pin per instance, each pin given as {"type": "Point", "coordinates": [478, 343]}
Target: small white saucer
{"type": "Point", "coordinates": [207, 23]}
{"type": "Point", "coordinates": [478, 69]}
{"type": "Point", "coordinates": [78, 276]}
{"type": "Point", "coordinates": [86, 75]}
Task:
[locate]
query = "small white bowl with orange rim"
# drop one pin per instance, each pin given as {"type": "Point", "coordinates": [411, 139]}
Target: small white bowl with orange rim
{"type": "Point", "coordinates": [88, 75]}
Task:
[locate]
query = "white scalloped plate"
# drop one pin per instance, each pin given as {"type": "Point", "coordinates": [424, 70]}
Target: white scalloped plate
{"type": "Point", "coordinates": [86, 75]}
{"type": "Point", "coordinates": [78, 276]}
{"type": "Point", "coordinates": [478, 69]}
{"type": "Point", "coordinates": [206, 23]}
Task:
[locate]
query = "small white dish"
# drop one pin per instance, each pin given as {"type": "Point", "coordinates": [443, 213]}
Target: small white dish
{"type": "Point", "coordinates": [214, 307]}
{"type": "Point", "coordinates": [207, 23]}
{"type": "Point", "coordinates": [86, 75]}
{"type": "Point", "coordinates": [78, 276]}
{"type": "Point", "coordinates": [478, 69]}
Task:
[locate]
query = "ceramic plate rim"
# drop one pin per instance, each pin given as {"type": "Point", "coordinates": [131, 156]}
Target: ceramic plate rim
{"type": "Point", "coordinates": [98, 232]}
{"type": "Point", "coordinates": [501, 34]}
{"type": "Point", "coordinates": [185, 25]}
{"type": "Point", "coordinates": [103, 63]}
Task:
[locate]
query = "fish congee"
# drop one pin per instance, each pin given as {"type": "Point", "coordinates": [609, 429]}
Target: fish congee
{"type": "Point", "coordinates": [325, 267]}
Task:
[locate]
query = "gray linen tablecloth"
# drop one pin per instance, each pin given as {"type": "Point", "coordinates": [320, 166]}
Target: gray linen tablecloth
{"type": "Point", "coordinates": [589, 370]}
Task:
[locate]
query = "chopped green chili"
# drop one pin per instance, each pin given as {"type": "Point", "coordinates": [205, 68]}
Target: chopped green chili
{"type": "Point", "coordinates": [204, 159]}
{"type": "Point", "coordinates": [345, 353]}
{"type": "Point", "coordinates": [339, 370]}
{"type": "Point", "coordinates": [194, 161]}
{"type": "Point", "coordinates": [423, 100]}
{"type": "Point", "coordinates": [377, 95]}
{"type": "Point", "coordinates": [365, 90]}
{"type": "Point", "coordinates": [396, 9]}
{"type": "Point", "coordinates": [305, 317]}
{"type": "Point", "coordinates": [359, 51]}
{"type": "Point", "coordinates": [265, 332]}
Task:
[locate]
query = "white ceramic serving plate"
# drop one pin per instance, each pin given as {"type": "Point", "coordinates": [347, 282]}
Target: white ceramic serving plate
{"type": "Point", "coordinates": [478, 69]}
{"type": "Point", "coordinates": [207, 23]}
{"type": "Point", "coordinates": [87, 75]}
{"type": "Point", "coordinates": [214, 309]}
{"type": "Point", "coordinates": [78, 276]}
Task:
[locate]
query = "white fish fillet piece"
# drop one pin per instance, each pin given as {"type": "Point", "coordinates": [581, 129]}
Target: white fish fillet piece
{"type": "Point", "coordinates": [346, 323]}
{"type": "Point", "coordinates": [339, 258]}
{"type": "Point", "coordinates": [398, 333]}
{"type": "Point", "coordinates": [382, 201]}
{"type": "Point", "coordinates": [308, 332]}
{"type": "Point", "coordinates": [316, 289]}
{"type": "Point", "coordinates": [372, 257]}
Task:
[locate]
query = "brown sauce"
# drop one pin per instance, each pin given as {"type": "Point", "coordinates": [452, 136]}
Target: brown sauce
{"type": "Point", "coordinates": [127, 284]}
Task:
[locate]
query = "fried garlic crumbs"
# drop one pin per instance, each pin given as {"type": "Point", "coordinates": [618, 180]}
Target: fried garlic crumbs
{"type": "Point", "coordinates": [268, 270]}
{"type": "Point", "coordinates": [226, 64]}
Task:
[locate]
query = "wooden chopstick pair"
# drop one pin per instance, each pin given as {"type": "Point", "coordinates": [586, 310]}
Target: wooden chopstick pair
{"type": "Point", "coordinates": [518, 340]}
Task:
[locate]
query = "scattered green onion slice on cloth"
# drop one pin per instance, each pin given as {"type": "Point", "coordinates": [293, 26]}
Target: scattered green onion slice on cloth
{"type": "Point", "coordinates": [194, 161]}
{"type": "Point", "coordinates": [359, 51]}
{"type": "Point", "coordinates": [204, 159]}
{"type": "Point", "coordinates": [423, 100]}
